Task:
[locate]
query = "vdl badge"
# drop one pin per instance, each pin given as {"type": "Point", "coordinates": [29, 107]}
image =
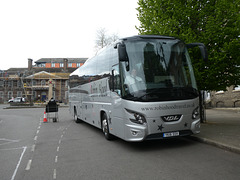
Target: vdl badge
{"type": "Point", "coordinates": [171, 118]}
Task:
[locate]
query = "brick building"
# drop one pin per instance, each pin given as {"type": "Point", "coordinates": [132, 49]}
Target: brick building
{"type": "Point", "coordinates": [47, 78]}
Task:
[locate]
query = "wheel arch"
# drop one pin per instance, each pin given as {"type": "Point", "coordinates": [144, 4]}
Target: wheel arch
{"type": "Point", "coordinates": [75, 115]}
{"type": "Point", "coordinates": [102, 112]}
{"type": "Point", "coordinates": [74, 110]}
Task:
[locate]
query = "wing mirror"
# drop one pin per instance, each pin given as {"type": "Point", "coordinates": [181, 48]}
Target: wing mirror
{"type": "Point", "coordinates": [202, 48]}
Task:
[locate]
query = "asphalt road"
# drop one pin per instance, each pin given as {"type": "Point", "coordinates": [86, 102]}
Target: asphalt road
{"type": "Point", "coordinates": [31, 149]}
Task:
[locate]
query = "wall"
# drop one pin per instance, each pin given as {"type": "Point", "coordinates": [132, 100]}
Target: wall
{"type": "Point", "coordinates": [228, 98]}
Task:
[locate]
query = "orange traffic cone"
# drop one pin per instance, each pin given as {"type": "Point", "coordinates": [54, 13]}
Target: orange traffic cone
{"type": "Point", "coordinates": [44, 117]}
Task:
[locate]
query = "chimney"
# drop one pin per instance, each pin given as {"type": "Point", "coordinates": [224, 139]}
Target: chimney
{"type": "Point", "coordinates": [30, 64]}
{"type": "Point", "coordinates": [65, 64]}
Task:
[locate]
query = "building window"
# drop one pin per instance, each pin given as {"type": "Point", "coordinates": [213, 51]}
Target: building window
{"type": "Point", "coordinates": [69, 64]}
{"type": "Point", "coordinates": [41, 65]}
{"type": "Point", "coordinates": [43, 83]}
{"type": "Point", "coordinates": [53, 65]}
{"type": "Point", "coordinates": [19, 94]}
{"type": "Point", "coordinates": [10, 94]}
{"type": "Point", "coordinates": [10, 84]}
{"type": "Point", "coordinates": [1, 83]}
{"type": "Point", "coordinates": [1, 94]}
{"type": "Point", "coordinates": [78, 64]}
{"type": "Point", "coordinates": [19, 84]}
{"type": "Point", "coordinates": [61, 64]}
{"type": "Point", "coordinates": [34, 82]}
{"type": "Point", "coordinates": [34, 95]}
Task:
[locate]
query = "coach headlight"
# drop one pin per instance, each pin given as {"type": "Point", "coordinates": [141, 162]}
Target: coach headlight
{"type": "Point", "coordinates": [195, 113]}
{"type": "Point", "coordinates": [136, 117]}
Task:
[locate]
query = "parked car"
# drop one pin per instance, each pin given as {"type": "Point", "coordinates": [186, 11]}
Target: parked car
{"type": "Point", "coordinates": [17, 99]}
{"type": "Point", "coordinates": [11, 100]}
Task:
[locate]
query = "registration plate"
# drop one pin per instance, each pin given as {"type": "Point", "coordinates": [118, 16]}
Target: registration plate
{"type": "Point", "coordinates": [171, 134]}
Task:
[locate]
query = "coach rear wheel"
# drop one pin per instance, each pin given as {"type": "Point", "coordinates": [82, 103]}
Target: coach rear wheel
{"type": "Point", "coordinates": [76, 119]}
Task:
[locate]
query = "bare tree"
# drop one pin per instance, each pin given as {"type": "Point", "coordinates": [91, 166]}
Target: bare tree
{"type": "Point", "coordinates": [103, 39]}
{"type": "Point", "coordinates": [114, 37]}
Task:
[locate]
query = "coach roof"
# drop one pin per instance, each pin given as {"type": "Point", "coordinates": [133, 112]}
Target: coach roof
{"type": "Point", "coordinates": [139, 37]}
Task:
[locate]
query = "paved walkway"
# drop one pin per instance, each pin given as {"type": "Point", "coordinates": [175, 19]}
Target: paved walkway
{"type": "Point", "coordinates": [222, 128]}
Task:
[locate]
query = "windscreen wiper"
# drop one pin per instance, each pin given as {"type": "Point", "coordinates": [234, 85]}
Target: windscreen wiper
{"type": "Point", "coordinates": [151, 91]}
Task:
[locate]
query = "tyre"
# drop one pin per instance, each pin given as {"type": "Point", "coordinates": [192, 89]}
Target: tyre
{"type": "Point", "coordinates": [105, 128]}
{"type": "Point", "coordinates": [76, 119]}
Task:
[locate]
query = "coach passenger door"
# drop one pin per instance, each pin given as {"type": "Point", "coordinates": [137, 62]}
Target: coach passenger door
{"type": "Point", "coordinates": [116, 110]}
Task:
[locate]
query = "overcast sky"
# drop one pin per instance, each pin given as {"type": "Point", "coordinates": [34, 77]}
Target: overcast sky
{"type": "Point", "coordinates": [59, 28]}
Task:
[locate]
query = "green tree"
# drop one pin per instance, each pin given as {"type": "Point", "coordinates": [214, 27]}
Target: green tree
{"type": "Point", "coordinates": [216, 23]}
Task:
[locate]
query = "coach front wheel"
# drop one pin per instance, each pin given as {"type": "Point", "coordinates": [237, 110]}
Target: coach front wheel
{"type": "Point", "coordinates": [105, 128]}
